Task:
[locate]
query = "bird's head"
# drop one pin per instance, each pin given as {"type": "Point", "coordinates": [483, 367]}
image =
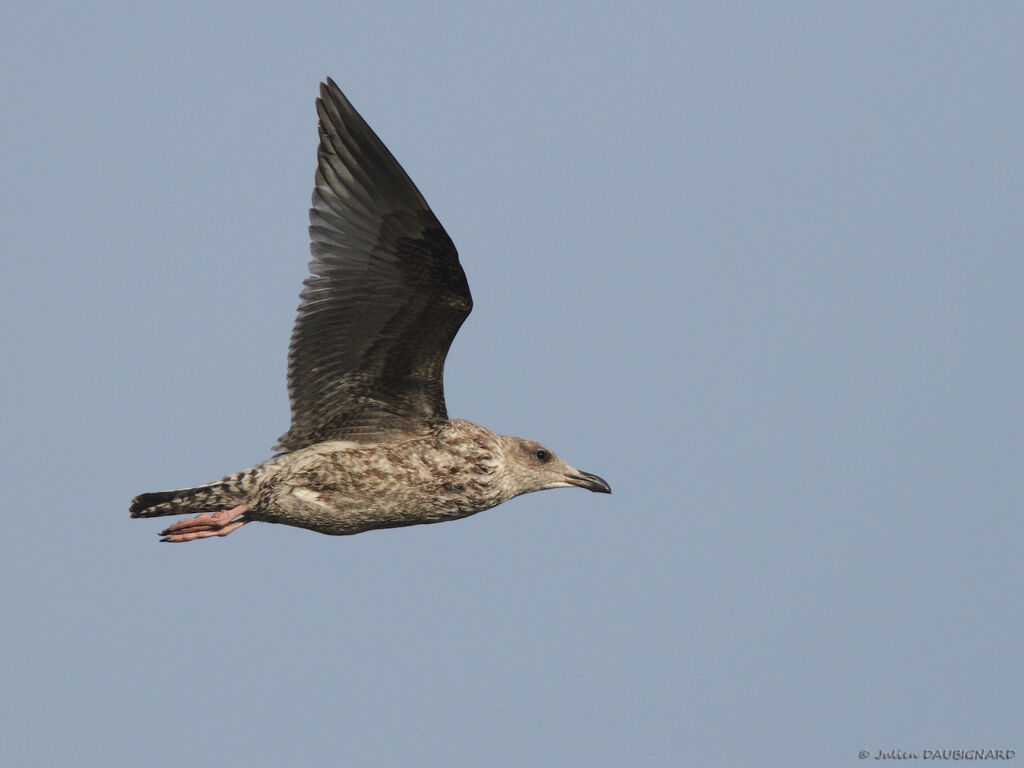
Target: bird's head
{"type": "Point", "coordinates": [532, 467]}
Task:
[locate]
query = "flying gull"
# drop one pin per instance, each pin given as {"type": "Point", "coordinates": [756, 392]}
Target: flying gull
{"type": "Point", "coordinates": [370, 443]}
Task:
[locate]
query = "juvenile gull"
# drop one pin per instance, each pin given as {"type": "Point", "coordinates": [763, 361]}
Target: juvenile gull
{"type": "Point", "coordinates": [370, 443]}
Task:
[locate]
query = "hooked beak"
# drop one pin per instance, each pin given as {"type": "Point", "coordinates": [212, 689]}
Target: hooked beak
{"type": "Point", "coordinates": [590, 482]}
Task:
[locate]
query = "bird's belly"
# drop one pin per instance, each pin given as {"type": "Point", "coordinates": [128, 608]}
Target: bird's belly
{"type": "Point", "coordinates": [342, 512]}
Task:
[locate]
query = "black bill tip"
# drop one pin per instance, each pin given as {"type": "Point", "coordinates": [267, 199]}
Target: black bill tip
{"type": "Point", "coordinates": [590, 482]}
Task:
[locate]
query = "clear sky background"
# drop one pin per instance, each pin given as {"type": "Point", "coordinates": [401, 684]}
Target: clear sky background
{"type": "Point", "coordinates": [761, 266]}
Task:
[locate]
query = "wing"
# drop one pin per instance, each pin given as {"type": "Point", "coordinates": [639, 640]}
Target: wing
{"type": "Point", "coordinates": [384, 299]}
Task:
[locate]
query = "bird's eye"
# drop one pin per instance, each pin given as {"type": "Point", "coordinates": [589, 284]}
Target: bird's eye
{"type": "Point", "coordinates": [542, 455]}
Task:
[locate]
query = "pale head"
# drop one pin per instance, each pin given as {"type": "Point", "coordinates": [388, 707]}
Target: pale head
{"type": "Point", "coordinates": [529, 467]}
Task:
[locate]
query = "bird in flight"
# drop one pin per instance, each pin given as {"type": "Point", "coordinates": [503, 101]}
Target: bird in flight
{"type": "Point", "coordinates": [370, 443]}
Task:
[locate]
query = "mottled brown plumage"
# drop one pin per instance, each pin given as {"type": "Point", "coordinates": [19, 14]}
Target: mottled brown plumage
{"type": "Point", "coordinates": [370, 443]}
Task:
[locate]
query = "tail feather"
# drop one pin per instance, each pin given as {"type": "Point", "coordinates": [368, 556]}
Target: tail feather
{"type": "Point", "coordinates": [202, 498]}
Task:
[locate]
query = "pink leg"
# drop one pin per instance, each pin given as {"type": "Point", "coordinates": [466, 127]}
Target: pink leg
{"type": "Point", "coordinates": [209, 524]}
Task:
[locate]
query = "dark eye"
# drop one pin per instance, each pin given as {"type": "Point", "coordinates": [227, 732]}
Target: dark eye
{"type": "Point", "coordinates": [542, 455]}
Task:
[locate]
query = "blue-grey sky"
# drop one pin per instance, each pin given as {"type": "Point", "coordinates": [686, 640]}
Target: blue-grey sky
{"type": "Point", "coordinates": [759, 265]}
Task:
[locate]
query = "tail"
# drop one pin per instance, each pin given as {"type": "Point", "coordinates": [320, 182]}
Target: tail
{"type": "Point", "coordinates": [202, 498]}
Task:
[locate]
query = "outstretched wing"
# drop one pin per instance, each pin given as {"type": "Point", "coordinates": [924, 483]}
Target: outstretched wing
{"type": "Point", "coordinates": [385, 296]}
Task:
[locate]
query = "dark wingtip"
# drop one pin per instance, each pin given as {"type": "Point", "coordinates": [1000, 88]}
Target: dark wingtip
{"type": "Point", "coordinates": [329, 90]}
